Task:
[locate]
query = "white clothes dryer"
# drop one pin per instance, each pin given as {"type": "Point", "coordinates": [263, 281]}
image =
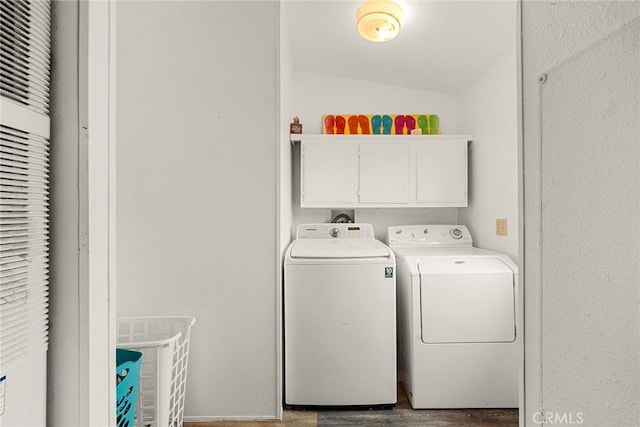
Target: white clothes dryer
{"type": "Point", "coordinates": [458, 319]}
{"type": "Point", "coordinates": [339, 318]}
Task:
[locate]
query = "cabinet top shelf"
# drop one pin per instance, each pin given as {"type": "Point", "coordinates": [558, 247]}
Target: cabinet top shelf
{"type": "Point", "coordinates": [297, 137]}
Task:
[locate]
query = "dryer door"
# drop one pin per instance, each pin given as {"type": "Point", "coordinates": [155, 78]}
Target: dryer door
{"type": "Point", "coordinates": [466, 300]}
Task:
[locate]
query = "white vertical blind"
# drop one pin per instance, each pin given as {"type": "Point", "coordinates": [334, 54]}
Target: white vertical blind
{"type": "Point", "coordinates": [24, 178]}
{"type": "Point", "coordinates": [25, 28]}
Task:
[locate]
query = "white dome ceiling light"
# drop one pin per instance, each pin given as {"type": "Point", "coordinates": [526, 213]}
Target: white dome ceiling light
{"type": "Point", "coordinates": [379, 20]}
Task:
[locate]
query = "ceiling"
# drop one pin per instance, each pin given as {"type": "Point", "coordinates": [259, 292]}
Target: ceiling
{"type": "Point", "coordinates": [442, 47]}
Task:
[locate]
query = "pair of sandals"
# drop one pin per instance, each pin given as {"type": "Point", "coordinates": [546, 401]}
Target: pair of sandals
{"type": "Point", "coordinates": [337, 124]}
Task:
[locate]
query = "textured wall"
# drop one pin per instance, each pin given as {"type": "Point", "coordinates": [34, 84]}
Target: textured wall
{"type": "Point", "coordinates": [581, 211]}
{"type": "Point", "coordinates": [487, 109]}
{"type": "Point", "coordinates": [198, 132]}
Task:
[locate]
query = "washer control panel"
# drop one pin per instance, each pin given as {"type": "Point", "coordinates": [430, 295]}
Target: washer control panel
{"type": "Point", "coordinates": [429, 235]}
{"type": "Point", "coordinates": [335, 231]}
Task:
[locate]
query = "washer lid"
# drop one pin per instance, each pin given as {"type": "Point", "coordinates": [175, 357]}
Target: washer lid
{"type": "Point", "coordinates": [347, 248]}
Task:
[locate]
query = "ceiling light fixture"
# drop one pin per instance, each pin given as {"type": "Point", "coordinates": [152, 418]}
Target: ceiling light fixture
{"type": "Point", "coordinates": [379, 20]}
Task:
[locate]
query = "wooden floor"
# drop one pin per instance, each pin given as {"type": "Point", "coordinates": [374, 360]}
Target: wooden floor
{"type": "Point", "coordinates": [401, 416]}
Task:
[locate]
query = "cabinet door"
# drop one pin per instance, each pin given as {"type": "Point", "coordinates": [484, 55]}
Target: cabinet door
{"type": "Point", "coordinates": [328, 174]}
{"type": "Point", "coordinates": [384, 173]}
{"type": "Point", "coordinates": [441, 173]}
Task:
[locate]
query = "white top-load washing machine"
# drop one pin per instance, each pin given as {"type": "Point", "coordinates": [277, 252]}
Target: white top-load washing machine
{"type": "Point", "coordinates": [458, 319]}
{"type": "Point", "coordinates": [339, 318]}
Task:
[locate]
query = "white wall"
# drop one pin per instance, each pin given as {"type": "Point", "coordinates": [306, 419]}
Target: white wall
{"type": "Point", "coordinates": [581, 250]}
{"type": "Point", "coordinates": [487, 109]}
{"type": "Point", "coordinates": [64, 296]}
{"type": "Point", "coordinates": [315, 94]}
{"type": "Point", "coordinates": [286, 149]}
{"type": "Point", "coordinates": [197, 188]}
{"type": "Point", "coordinates": [285, 176]}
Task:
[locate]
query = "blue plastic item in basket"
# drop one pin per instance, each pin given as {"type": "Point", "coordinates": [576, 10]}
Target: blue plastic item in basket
{"type": "Point", "coordinates": [127, 384]}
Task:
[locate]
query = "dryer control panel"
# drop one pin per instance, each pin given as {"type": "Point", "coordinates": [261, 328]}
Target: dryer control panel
{"type": "Point", "coordinates": [335, 231]}
{"type": "Point", "coordinates": [435, 235]}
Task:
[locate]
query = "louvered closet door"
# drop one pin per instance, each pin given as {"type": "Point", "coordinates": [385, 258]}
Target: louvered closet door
{"type": "Point", "coordinates": [25, 53]}
{"type": "Point", "coordinates": [24, 181]}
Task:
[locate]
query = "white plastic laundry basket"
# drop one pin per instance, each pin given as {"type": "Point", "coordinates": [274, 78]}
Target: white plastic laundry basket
{"type": "Point", "coordinates": [164, 343]}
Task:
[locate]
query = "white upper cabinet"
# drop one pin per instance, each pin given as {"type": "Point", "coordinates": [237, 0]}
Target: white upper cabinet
{"type": "Point", "coordinates": [441, 173]}
{"type": "Point", "coordinates": [384, 173]}
{"type": "Point", "coordinates": [357, 171]}
{"type": "Point", "coordinates": [329, 174]}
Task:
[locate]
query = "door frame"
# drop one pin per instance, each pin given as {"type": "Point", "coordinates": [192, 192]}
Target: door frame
{"type": "Point", "coordinates": [521, 224]}
{"type": "Point", "coordinates": [97, 191]}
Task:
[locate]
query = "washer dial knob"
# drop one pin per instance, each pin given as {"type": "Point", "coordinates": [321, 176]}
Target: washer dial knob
{"type": "Point", "coordinates": [456, 233]}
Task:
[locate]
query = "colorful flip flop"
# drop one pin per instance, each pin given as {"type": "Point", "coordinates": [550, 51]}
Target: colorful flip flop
{"type": "Point", "coordinates": [423, 124]}
{"type": "Point", "coordinates": [387, 122]}
{"type": "Point", "coordinates": [364, 124]}
{"type": "Point", "coordinates": [399, 122]}
{"type": "Point", "coordinates": [410, 123]}
{"type": "Point", "coordinates": [434, 125]}
{"type": "Point", "coordinates": [329, 124]}
{"type": "Point", "coordinates": [340, 124]}
{"type": "Point", "coordinates": [352, 121]}
{"type": "Point", "coordinates": [376, 125]}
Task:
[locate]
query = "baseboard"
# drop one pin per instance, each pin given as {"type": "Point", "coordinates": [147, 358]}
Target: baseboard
{"type": "Point", "coordinates": [207, 418]}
